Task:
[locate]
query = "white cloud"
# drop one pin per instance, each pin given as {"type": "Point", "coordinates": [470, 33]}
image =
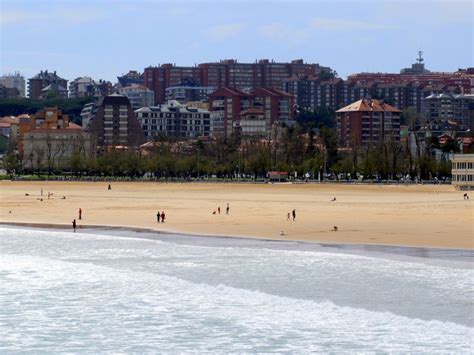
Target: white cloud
{"type": "Point", "coordinates": [222, 32]}
{"type": "Point", "coordinates": [70, 16]}
{"type": "Point", "coordinates": [280, 32]}
{"type": "Point", "coordinates": [331, 24]}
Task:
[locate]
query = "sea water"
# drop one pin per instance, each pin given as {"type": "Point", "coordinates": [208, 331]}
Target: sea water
{"type": "Point", "coordinates": [132, 292]}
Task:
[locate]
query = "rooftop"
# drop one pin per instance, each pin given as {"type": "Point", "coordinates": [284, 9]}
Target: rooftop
{"type": "Point", "coordinates": [368, 105]}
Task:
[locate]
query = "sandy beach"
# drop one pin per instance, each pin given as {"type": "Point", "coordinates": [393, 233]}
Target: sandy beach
{"type": "Point", "coordinates": [431, 216]}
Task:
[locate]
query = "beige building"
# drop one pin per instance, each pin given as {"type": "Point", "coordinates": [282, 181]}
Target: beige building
{"type": "Point", "coordinates": [463, 171]}
{"type": "Point", "coordinates": [53, 148]}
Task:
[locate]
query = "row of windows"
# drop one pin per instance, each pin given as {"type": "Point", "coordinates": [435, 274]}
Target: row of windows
{"type": "Point", "coordinates": [463, 165]}
{"type": "Point", "coordinates": [464, 177]}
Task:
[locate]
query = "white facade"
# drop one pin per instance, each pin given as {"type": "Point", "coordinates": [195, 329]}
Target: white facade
{"type": "Point", "coordinates": [14, 81]}
{"type": "Point", "coordinates": [174, 119]}
{"type": "Point", "coordinates": [138, 95]}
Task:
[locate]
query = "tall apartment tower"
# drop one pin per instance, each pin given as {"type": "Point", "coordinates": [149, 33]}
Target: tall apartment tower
{"type": "Point", "coordinates": [114, 123]}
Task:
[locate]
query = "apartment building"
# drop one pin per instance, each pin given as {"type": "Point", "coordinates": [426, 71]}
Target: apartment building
{"type": "Point", "coordinates": [8, 93]}
{"type": "Point", "coordinates": [228, 103]}
{"type": "Point", "coordinates": [189, 93]}
{"type": "Point", "coordinates": [227, 73]}
{"type": "Point", "coordinates": [86, 86]}
{"type": "Point", "coordinates": [263, 107]}
{"type": "Point", "coordinates": [46, 82]}
{"type": "Point", "coordinates": [114, 124]}
{"type": "Point", "coordinates": [14, 81]}
{"type": "Point", "coordinates": [132, 77]}
{"type": "Point", "coordinates": [367, 122]}
{"type": "Point", "coordinates": [174, 119]}
{"type": "Point", "coordinates": [448, 106]}
{"type": "Point", "coordinates": [138, 95]}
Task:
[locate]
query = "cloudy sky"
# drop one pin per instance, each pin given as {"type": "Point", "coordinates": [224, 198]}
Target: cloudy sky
{"type": "Point", "coordinates": [105, 38]}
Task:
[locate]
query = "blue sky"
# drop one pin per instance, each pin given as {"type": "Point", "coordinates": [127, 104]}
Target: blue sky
{"type": "Point", "coordinates": [105, 38]}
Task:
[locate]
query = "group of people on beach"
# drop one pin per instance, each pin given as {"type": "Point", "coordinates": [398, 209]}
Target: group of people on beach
{"type": "Point", "coordinates": [218, 210]}
{"type": "Point", "coordinates": [162, 216]}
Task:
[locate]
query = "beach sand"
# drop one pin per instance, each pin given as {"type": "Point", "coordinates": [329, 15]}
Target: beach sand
{"type": "Point", "coordinates": [430, 216]}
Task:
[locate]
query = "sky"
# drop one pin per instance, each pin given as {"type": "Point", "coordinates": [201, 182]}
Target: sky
{"type": "Point", "coordinates": [107, 38]}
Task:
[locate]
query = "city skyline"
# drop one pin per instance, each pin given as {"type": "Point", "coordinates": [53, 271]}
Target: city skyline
{"type": "Point", "coordinates": [104, 39]}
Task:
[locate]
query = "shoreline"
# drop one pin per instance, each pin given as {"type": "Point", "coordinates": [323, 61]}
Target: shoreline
{"type": "Point", "coordinates": [448, 257]}
{"type": "Point", "coordinates": [210, 237]}
{"type": "Point", "coordinates": [402, 216]}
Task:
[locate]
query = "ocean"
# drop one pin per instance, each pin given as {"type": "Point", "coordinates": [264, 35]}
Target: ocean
{"type": "Point", "coordinates": [127, 291]}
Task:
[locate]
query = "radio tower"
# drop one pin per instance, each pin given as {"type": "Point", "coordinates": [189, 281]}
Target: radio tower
{"type": "Point", "coordinates": [420, 57]}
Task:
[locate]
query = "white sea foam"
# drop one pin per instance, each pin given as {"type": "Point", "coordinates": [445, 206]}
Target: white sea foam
{"type": "Point", "coordinates": [64, 292]}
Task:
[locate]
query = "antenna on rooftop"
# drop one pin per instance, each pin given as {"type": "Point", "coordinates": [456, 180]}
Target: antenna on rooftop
{"type": "Point", "coordinates": [420, 57]}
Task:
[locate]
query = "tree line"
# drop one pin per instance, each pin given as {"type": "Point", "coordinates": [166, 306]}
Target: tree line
{"type": "Point", "coordinates": [309, 146]}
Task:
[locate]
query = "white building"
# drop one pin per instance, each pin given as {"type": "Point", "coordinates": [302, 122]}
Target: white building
{"type": "Point", "coordinates": [82, 87]}
{"type": "Point", "coordinates": [14, 80]}
{"type": "Point", "coordinates": [463, 171]}
{"type": "Point", "coordinates": [138, 95]}
{"type": "Point", "coordinates": [87, 113]}
{"type": "Point", "coordinates": [174, 119]}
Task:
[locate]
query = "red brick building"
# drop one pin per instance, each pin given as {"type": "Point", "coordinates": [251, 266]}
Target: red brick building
{"type": "Point", "coordinates": [227, 73]}
{"type": "Point", "coordinates": [267, 104]}
{"type": "Point", "coordinates": [367, 122]}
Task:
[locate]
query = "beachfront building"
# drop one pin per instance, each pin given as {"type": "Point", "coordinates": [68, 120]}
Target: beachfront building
{"type": "Point", "coordinates": [463, 171]}
{"type": "Point", "coordinates": [174, 119]}
{"type": "Point", "coordinates": [367, 122]}
{"type": "Point", "coordinates": [112, 123]}
{"type": "Point", "coordinates": [52, 149]}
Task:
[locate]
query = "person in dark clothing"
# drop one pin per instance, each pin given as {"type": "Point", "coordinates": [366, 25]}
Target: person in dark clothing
{"type": "Point", "coordinates": [219, 210]}
{"type": "Point", "coordinates": [293, 214]}
{"type": "Point", "coordinates": [163, 216]}
{"type": "Point", "coordinates": [74, 225]}
{"type": "Point", "coordinates": [158, 217]}
{"type": "Point", "coordinates": [109, 188]}
{"type": "Point", "coordinates": [227, 209]}
{"type": "Point", "coordinates": [80, 213]}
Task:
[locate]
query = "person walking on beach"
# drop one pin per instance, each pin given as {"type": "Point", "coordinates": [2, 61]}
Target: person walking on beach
{"type": "Point", "coordinates": [74, 225]}
{"type": "Point", "coordinates": [80, 213]}
{"type": "Point", "coordinates": [219, 210]}
{"type": "Point", "coordinates": [227, 209]}
{"type": "Point", "coordinates": [109, 188]}
{"type": "Point", "coordinates": [466, 196]}
{"type": "Point", "coordinates": [288, 216]}
{"type": "Point", "coordinates": [158, 217]}
{"type": "Point", "coordinates": [294, 214]}
{"type": "Point", "coordinates": [163, 216]}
